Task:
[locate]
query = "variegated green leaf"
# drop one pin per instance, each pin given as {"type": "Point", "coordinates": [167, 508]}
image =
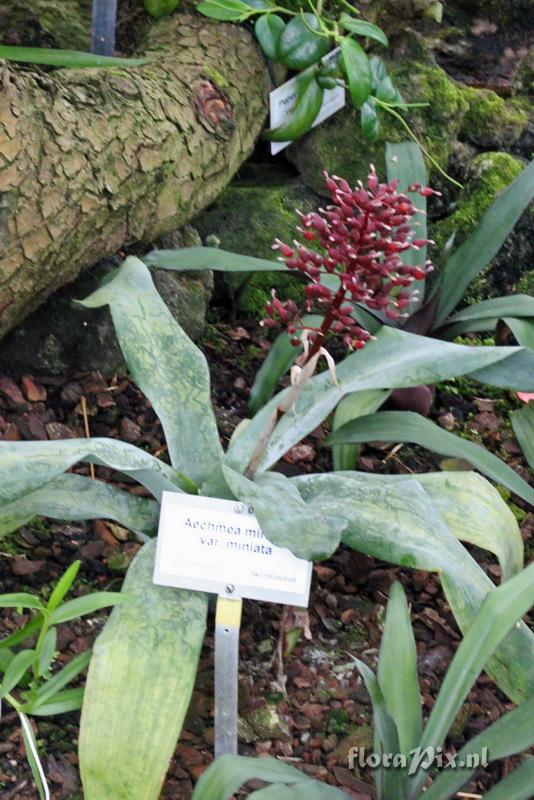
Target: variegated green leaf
{"type": "Point", "coordinates": [407, 426]}
{"type": "Point", "coordinates": [139, 686]}
{"type": "Point", "coordinates": [74, 497]}
{"type": "Point", "coordinates": [284, 517]}
{"type": "Point", "coordinates": [27, 466]}
{"type": "Point", "coordinates": [396, 521]}
{"type": "Point", "coordinates": [166, 365]}
{"type": "Point", "coordinates": [523, 425]}
{"type": "Point", "coordinates": [395, 359]}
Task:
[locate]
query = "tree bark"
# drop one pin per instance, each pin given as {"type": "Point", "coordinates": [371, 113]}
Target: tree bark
{"type": "Point", "coordinates": [95, 160]}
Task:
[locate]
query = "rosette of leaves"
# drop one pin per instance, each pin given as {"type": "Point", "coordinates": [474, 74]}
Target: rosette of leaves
{"type": "Point", "coordinates": [143, 665]}
{"type": "Point", "coordinates": [406, 749]}
{"type": "Point", "coordinates": [302, 43]}
{"type": "Point", "coordinates": [431, 314]}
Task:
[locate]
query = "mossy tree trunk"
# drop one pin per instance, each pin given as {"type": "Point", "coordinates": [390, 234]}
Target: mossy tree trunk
{"type": "Point", "coordinates": [95, 160]}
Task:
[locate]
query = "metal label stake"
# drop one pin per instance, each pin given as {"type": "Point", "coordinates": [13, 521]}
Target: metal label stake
{"type": "Point", "coordinates": [103, 27]}
{"type": "Point", "coordinates": [227, 624]}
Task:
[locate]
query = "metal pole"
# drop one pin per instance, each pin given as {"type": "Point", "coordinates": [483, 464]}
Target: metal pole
{"type": "Point", "coordinates": [103, 27]}
{"type": "Point", "coordinates": [227, 623]}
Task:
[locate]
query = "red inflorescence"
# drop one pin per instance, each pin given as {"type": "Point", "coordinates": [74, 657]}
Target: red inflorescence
{"type": "Point", "coordinates": [360, 240]}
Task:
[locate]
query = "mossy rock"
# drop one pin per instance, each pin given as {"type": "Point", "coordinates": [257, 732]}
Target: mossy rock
{"type": "Point", "coordinates": [247, 218]}
{"type": "Point", "coordinates": [489, 174]}
{"type": "Point", "coordinates": [59, 339]}
{"type": "Point", "coordinates": [490, 122]}
{"type": "Point", "coordinates": [339, 147]}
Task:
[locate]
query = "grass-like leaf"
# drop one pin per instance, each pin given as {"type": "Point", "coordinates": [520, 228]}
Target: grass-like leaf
{"type": "Point", "coordinates": [73, 59]}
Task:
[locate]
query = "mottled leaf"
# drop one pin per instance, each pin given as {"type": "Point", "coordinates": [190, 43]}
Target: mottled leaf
{"type": "Point", "coordinates": [166, 365]}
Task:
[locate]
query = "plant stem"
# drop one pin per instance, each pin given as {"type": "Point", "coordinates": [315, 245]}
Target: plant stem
{"type": "Point", "coordinates": [387, 107]}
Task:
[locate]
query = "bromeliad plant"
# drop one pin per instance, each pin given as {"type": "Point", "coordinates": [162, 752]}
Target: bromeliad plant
{"type": "Point", "coordinates": [28, 683]}
{"type": "Point", "coordinates": [143, 665]}
{"type": "Point", "coordinates": [406, 750]}
{"type": "Point", "coordinates": [365, 260]}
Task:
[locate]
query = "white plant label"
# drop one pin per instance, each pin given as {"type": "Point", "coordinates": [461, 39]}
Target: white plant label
{"type": "Point", "coordinates": [282, 101]}
{"type": "Point", "coordinates": [212, 545]}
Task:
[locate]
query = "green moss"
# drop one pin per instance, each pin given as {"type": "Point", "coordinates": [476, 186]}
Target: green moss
{"type": "Point", "coordinates": [247, 219]}
{"type": "Point", "coordinates": [490, 121]}
{"type": "Point", "coordinates": [216, 76]}
{"type": "Point", "coordinates": [526, 284]}
{"type": "Point", "coordinates": [339, 147]}
{"type": "Point", "coordinates": [490, 174]}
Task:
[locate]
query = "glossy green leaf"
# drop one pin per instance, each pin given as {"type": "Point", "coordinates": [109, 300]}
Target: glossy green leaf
{"type": "Point", "coordinates": [277, 362]}
{"type": "Point", "coordinates": [47, 651]}
{"type": "Point", "coordinates": [308, 103]}
{"type": "Point", "coordinates": [512, 733]}
{"type": "Point", "coordinates": [397, 671]}
{"type": "Point", "coordinates": [268, 29]}
{"type": "Point", "coordinates": [363, 28]}
{"type": "Point", "coordinates": [165, 364]}
{"type": "Point", "coordinates": [198, 259]}
{"type": "Point", "coordinates": [357, 404]}
{"type": "Point", "coordinates": [75, 497]}
{"type": "Point", "coordinates": [370, 121]}
{"type": "Point", "coordinates": [394, 359]}
{"type": "Point", "coordinates": [516, 786]}
{"type": "Point", "coordinates": [405, 163]}
{"type": "Point", "coordinates": [16, 669]}
{"type": "Point", "coordinates": [151, 646]}
{"type": "Point", "coordinates": [88, 604]}
{"type": "Point", "coordinates": [27, 466]}
{"type": "Point", "coordinates": [502, 608]}
{"type": "Point", "coordinates": [299, 46]}
{"type": "Point", "coordinates": [60, 703]}
{"type": "Point", "coordinates": [523, 425]}
{"type": "Point", "coordinates": [20, 600]}
{"type": "Point", "coordinates": [225, 10]}
{"type": "Point", "coordinates": [407, 426]}
{"type": "Point", "coordinates": [473, 255]}
{"type": "Point", "coordinates": [32, 754]}
{"type": "Point", "coordinates": [60, 679]}
{"type": "Point", "coordinates": [378, 70]}
{"type": "Point", "coordinates": [393, 518]}
{"type": "Point", "coordinates": [387, 91]}
{"type": "Point", "coordinates": [64, 58]}
{"type": "Point", "coordinates": [224, 777]}
{"type": "Point", "coordinates": [313, 536]}
{"type": "Point", "coordinates": [6, 657]}
{"type": "Point", "coordinates": [358, 71]}
{"type": "Point", "coordinates": [160, 8]}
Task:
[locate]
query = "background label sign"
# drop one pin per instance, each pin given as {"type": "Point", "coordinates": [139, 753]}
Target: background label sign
{"type": "Point", "coordinates": [282, 100]}
{"type": "Point", "coordinates": [207, 545]}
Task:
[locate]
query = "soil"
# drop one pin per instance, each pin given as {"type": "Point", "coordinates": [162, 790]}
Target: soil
{"type": "Point", "coordinates": [325, 710]}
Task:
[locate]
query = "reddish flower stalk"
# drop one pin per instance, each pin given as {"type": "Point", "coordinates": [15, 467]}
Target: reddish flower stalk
{"type": "Point", "coordinates": [360, 239]}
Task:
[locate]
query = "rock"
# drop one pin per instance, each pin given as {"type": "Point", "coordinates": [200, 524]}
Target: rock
{"type": "Point", "coordinates": [11, 394]}
{"type": "Point", "coordinates": [33, 392]}
{"type": "Point", "coordinates": [490, 121]}
{"type": "Point", "coordinates": [488, 175]}
{"type": "Point", "coordinates": [339, 147]}
{"type": "Point", "coordinates": [246, 218]}
{"type": "Point", "coordinates": [59, 338]}
{"type": "Point", "coordinates": [267, 723]}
